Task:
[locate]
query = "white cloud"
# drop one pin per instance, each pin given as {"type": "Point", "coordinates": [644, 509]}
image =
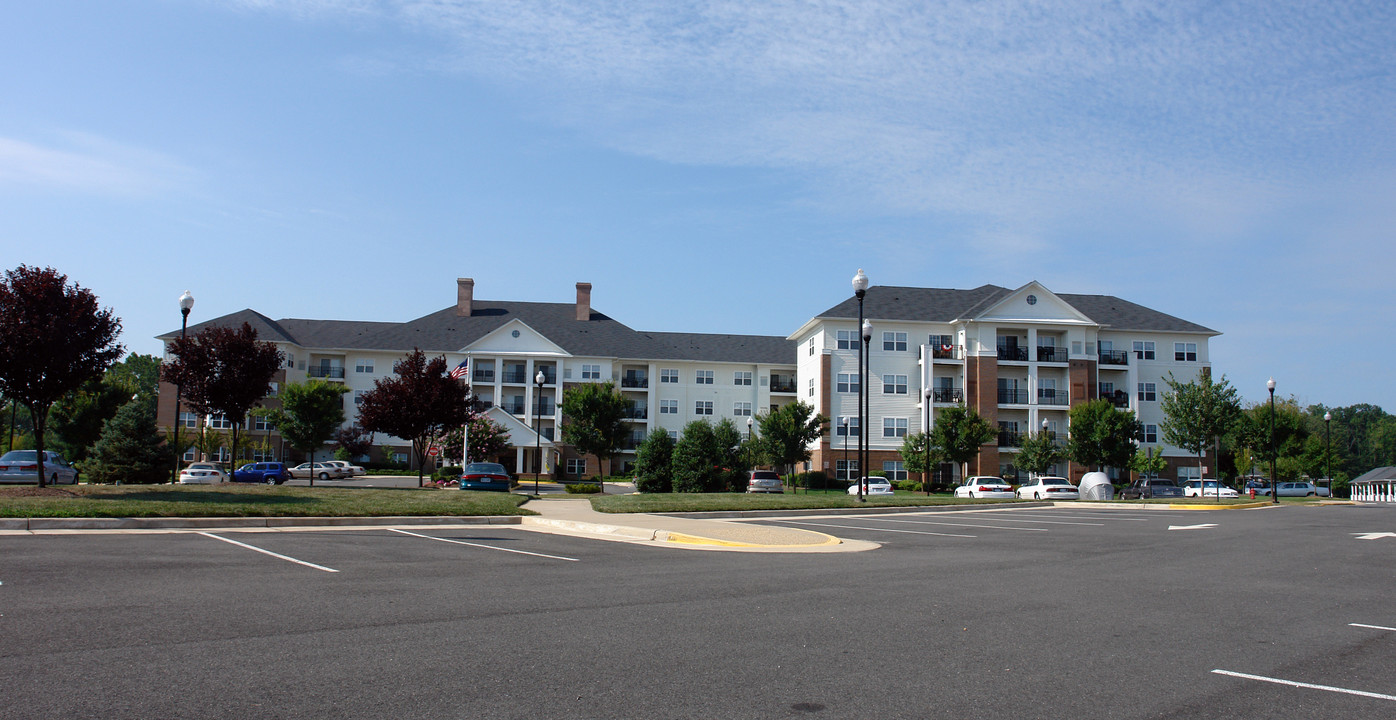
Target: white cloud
{"type": "Point", "coordinates": [86, 163]}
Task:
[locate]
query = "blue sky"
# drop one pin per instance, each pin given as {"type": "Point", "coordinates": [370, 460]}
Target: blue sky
{"type": "Point", "coordinates": [718, 167]}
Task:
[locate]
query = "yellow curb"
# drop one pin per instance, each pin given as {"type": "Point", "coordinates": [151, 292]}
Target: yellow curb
{"type": "Point", "coordinates": [674, 537]}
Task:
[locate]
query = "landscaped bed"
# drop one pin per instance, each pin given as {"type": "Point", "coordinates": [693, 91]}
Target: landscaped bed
{"type": "Point", "coordinates": [249, 501]}
{"type": "Point", "coordinates": [701, 502]}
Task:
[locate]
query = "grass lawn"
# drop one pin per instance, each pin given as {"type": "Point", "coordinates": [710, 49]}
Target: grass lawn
{"type": "Point", "coordinates": [236, 500]}
{"type": "Point", "coordinates": [701, 502]}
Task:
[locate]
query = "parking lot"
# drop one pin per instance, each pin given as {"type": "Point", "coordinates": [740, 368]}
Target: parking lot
{"type": "Point", "coordinates": [1033, 612]}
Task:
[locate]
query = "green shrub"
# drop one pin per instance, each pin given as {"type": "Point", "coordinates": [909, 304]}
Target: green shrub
{"type": "Point", "coordinates": [582, 488]}
{"type": "Point", "coordinates": [450, 472]}
{"type": "Point", "coordinates": [908, 485]}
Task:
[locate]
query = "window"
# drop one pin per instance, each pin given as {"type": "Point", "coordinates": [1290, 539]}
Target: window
{"type": "Point", "coordinates": [290, 361]}
{"type": "Point", "coordinates": [261, 423]}
{"type": "Point", "coordinates": [703, 407]}
{"type": "Point", "coordinates": [668, 407]}
{"type": "Point", "coordinates": [846, 425]}
{"type": "Point", "coordinates": [894, 469]}
{"type": "Point", "coordinates": [1185, 352]}
{"type": "Point", "coordinates": [741, 409]}
{"type": "Point", "coordinates": [894, 384]}
{"type": "Point", "coordinates": [668, 376]}
{"type": "Point", "coordinates": [847, 383]}
{"type": "Point", "coordinates": [673, 434]}
{"type": "Point", "coordinates": [704, 377]}
{"type": "Point", "coordinates": [893, 427]}
{"type": "Point", "coordinates": [591, 372]}
{"type": "Point", "coordinates": [576, 466]}
{"type": "Point", "coordinates": [363, 365]}
{"type": "Point", "coordinates": [267, 455]}
{"type": "Point", "coordinates": [1143, 350]}
{"type": "Point", "coordinates": [1147, 391]}
{"type": "Point", "coordinates": [221, 456]}
{"type": "Point", "coordinates": [188, 419]}
{"type": "Point", "coordinates": [1186, 473]}
{"type": "Point", "coordinates": [811, 346]}
{"type": "Point", "coordinates": [811, 387]}
{"type": "Point", "coordinates": [190, 455]}
{"type": "Point", "coordinates": [1150, 433]}
{"type": "Point", "coordinates": [400, 457]}
{"type": "Point", "coordinates": [848, 339]}
{"type": "Point", "coordinates": [845, 469]}
{"type": "Point", "coordinates": [1075, 347]}
{"type": "Point", "coordinates": [741, 378]}
{"type": "Point", "coordinates": [359, 397]}
{"type": "Point", "coordinates": [219, 422]}
{"type": "Point", "coordinates": [894, 341]}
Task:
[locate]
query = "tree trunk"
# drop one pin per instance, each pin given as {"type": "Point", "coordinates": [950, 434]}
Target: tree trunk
{"type": "Point", "coordinates": [39, 424]}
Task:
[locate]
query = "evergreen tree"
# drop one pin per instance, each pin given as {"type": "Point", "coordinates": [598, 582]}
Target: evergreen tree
{"type": "Point", "coordinates": [654, 463]}
{"type": "Point", "coordinates": [695, 459]}
{"type": "Point", "coordinates": [131, 449]}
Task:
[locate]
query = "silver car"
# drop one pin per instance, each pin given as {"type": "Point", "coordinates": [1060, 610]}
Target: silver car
{"type": "Point", "coordinates": [764, 481]}
{"type": "Point", "coordinates": [22, 466]}
{"type": "Point", "coordinates": [322, 471]}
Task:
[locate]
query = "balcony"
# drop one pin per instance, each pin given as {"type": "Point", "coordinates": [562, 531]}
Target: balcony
{"type": "Point", "coordinates": [514, 408]}
{"type": "Point", "coordinates": [947, 395]}
{"type": "Point", "coordinates": [516, 377]}
{"type": "Point", "coordinates": [1118, 398]}
{"type": "Point", "coordinates": [1013, 354]}
{"type": "Point", "coordinates": [521, 408]}
{"type": "Point", "coordinates": [1013, 397]}
{"type": "Point", "coordinates": [1009, 438]}
{"type": "Point", "coordinates": [1114, 357]}
{"type": "Point", "coordinates": [1052, 397]}
{"type": "Point", "coordinates": [635, 381]}
{"type": "Point", "coordinates": [325, 371]}
{"type": "Point", "coordinates": [632, 442]}
{"type": "Point", "coordinates": [636, 413]}
{"type": "Point", "coordinates": [1051, 354]}
{"type": "Point", "coordinates": [947, 352]}
{"type": "Point", "coordinates": [483, 376]}
{"type": "Point", "coordinates": [782, 384]}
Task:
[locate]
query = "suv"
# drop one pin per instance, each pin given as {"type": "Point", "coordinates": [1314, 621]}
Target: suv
{"type": "Point", "coordinates": [270, 473]}
{"type": "Point", "coordinates": [1145, 488]}
{"type": "Point", "coordinates": [764, 481]}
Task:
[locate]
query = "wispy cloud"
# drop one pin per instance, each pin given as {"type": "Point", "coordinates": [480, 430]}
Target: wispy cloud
{"type": "Point", "coordinates": [81, 162]}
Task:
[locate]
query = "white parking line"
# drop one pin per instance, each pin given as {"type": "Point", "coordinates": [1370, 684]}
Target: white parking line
{"type": "Point", "coordinates": [859, 527]}
{"type": "Point", "coordinates": [268, 552]}
{"type": "Point", "coordinates": [1038, 522]}
{"type": "Point", "coordinates": [1082, 517]}
{"type": "Point", "coordinates": [1310, 686]}
{"type": "Point", "coordinates": [489, 547]}
{"type": "Point", "coordinates": [936, 522]}
{"type": "Point", "coordinates": [1374, 627]}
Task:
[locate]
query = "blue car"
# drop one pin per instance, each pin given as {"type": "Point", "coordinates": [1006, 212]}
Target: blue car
{"type": "Point", "coordinates": [484, 476]}
{"type": "Point", "coordinates": [269, 473]}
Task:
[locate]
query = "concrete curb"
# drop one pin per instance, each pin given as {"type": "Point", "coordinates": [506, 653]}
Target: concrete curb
{"type": "Point", "coordinates": [731, 514]}
{"type": "Point", "coordinates": [168, 523]}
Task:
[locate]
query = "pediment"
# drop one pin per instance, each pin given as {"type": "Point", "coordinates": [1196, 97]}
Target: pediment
{"type": "Point", "coordinates": [517, 337]}
{"type": "Point", "coordinates": [1033, 303]}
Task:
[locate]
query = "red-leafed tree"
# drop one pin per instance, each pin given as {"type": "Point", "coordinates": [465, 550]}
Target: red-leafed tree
{"type": "Point", "coordinates": [420, 402]}
{"type": "Point", "coordinates": [55, 339]}
{"type": "Point", "coordinates": [223, 370]}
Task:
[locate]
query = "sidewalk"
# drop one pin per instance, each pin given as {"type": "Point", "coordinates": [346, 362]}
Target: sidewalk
{"type": "Point", "coordinates": [576, 517]}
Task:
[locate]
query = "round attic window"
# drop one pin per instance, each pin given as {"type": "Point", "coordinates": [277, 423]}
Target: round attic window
{"type": "Point", "coordinates": [515, 333]}
{"type": "Point", "coordinates": [1032, 299]}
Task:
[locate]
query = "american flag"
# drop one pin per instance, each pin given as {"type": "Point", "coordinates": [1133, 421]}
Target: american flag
{"type": "Point", "coordinates": [461, 370]}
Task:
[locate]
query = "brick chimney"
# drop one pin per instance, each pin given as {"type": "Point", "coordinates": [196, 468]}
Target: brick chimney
{"type": "Point", "coordinates": [583, 301]}
{"type": "Point", "coordinates": [465, 295]}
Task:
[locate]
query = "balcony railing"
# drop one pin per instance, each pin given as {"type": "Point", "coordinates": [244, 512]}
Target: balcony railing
{"type": "Point", "coordinates": [635, 381]}
{"type": "Point", "coordinates": [518, 377]}
{"type": "Point", "coordinates": [782, 384]}
{"type": "Point", "coordinates": [1052, 397]}
{"type": "Point", "coordinates": [636, 413]}
{"type": "Point", "coordinates": [324, 371]}
{"type": "Point", "coordinates": [947, 395]}
{"type": "Point", "coordinates": [1008, 438]}
{"type": "Point", "coordinates": [1118, 398]}
{"type": "Point", "coordinates": [483, 376]}
{"type": "Point", "coordinates": [1051, 354]}
{"type": "Point", "coordinates": [514, 408]}
{"type": "Point", "coordinates": [947, 352]}
{"type": "Point", "coordinates": [1114, 357]}
{"type": "Point", "coordinates": [632, 442]}
{"type": "Point", "coordinates": [1013, 397]}
{"type": "Point", "coordinates": [1019, 354]}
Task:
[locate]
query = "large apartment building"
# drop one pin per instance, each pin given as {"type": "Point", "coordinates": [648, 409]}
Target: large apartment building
{"type": "Point", "coordinates": [1018, 357]}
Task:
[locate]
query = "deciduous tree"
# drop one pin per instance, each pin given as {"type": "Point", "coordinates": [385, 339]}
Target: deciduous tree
{"type": "Point", "coordinates": [354, 440]}
{"type": "Point", "coordinates": [960, 433]}
{"type": "Point", "coordinates": [309, 415]}
{"type": "Point", "coordinates": [418, 403]}
{"type": "Point", "coordinates": [1198, 412]}
{"type": "Point", "coordinates": [919, 455]}
{"type": "Point", "coordinates": [787, 431]}
{"type": "Point", "coordinates": [593, 420]}
{"type": "Point", "coordinates": [55, 339]}
{"type": "Point", "coordinates": [1102, 436]}
{"type": "Point", "coordinates": [1039, 452]}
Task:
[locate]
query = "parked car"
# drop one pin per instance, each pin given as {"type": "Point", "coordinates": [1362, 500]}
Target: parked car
{"type": "Point", "coordinates": [1148, 488]}
{"type": "Point", "coordinates": [202, 473]}
{"type": "Point", "coordinates": [1301, 488]}
{"type": "Point", "coordinates": [322, 471]}
{"type": "Point", "coordinates": [984, 486]}
{"type": "Point", "coordinates": [352, 469]}
{"type": "Point", "coordinates": [22, 466]}
{"type": "Point", "coordinates": [484, 476]}
{"type": "Point", "coordinates": [1260, 487]}
{"type": "Point", "coordinates": [764, 481]}
{"type": "Point", "coordinates": [1048, 487]}
{"type": "Point", "coordinates": [1207, 488]}
{"type": "Point", "coordinates": [872, 486]}
{"type": "Point", "coordinates": [270, 473]}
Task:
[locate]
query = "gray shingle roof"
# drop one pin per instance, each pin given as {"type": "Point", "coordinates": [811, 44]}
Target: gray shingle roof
{"type": "Point", "coordinates": [1381, 473]}
{"type": "Point", "coordinates": [267, 329]}
{"type": "Point", "coordinates": [890, 302]}
{"type": "Point", "coordinates": [765, 349]}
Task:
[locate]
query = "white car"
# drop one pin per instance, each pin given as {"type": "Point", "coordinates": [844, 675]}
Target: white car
{"type": "Point", "coordinates": [985, 486]}
{"type": "Point", "coordinates": [202, 473]}
{"type": "Point", "coordinates": [1048, 488]}
{"type": "Point", "coordinates": [872, 486]}
{"type": "Point", "coordinates": [1208, 489]}
{"type": "Point", "coordinates": [354, 470]}
{"type": "Point", "coordinates": [22, 466]}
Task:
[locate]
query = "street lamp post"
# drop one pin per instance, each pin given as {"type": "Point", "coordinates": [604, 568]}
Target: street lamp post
{"type": "Point", "coordinates": [1328, 449]}
{"type": "Point", "coordinates": [538, 429]}
{"type": "Point", "coordinates": [186, 303]}
{"type": "Point", "coordinates": [1044, 434]}
{"type": "Point", "coordinates": [866, 460]}
{"type": "Point", "coordinates": [926, 438]}
{"type": "Point", "coordinates": [860, 288]}
{"type": "Point", "coordinates": [1274, 486]}
{"type": "Point", "coordinates": [844, 422]}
